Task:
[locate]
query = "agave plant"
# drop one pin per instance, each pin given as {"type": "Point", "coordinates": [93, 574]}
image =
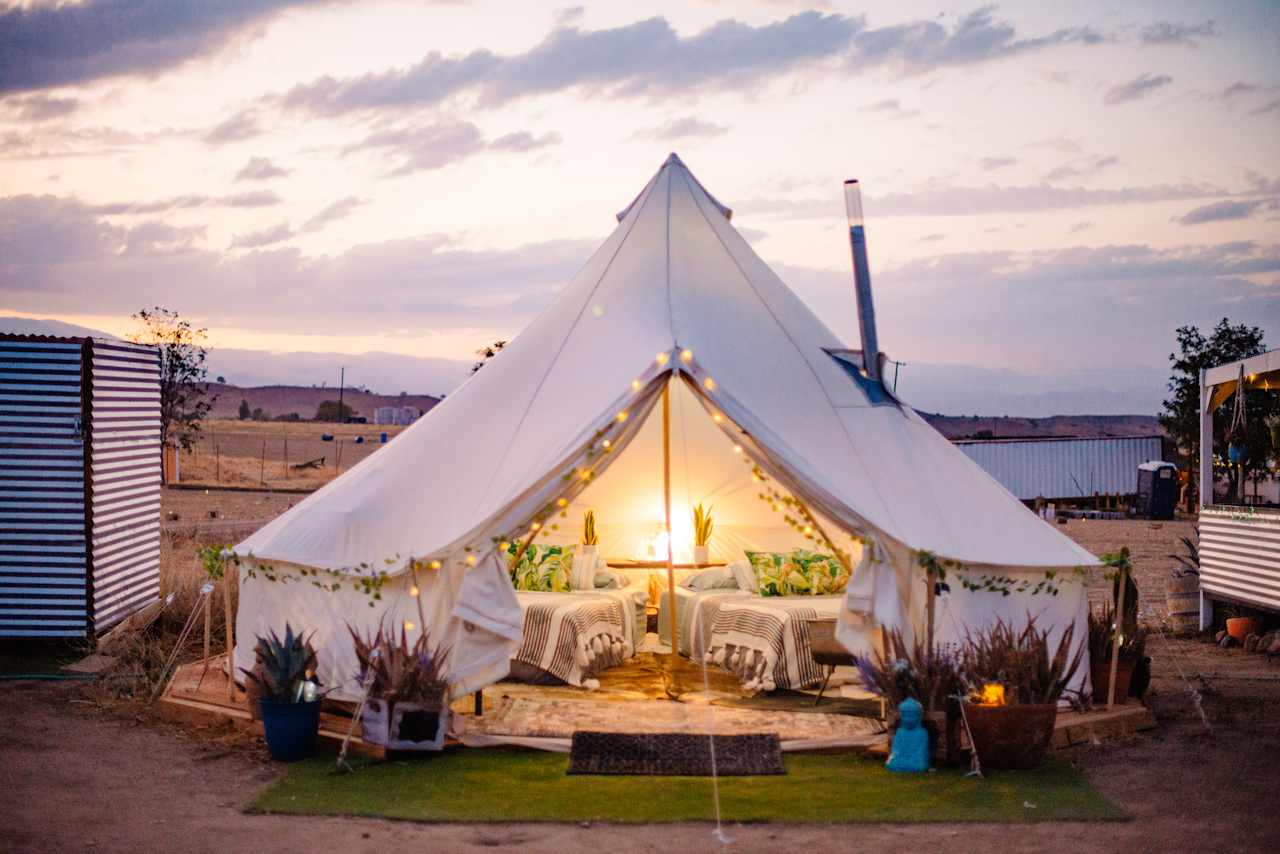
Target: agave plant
{"type": "Point", "coordinates": [589, 537]}
{"type": "Point", "coordinates": [702, 525]}
{"type": "Point", "coordinates": [1189, 560]}
{"type": "Point", "coordinates": [1021, 662]}
{"type": "Point", "coordinates": [394, 671]}
{"type": "Point", "coordinates": [1102, 632]}
{"type": "Point", "coordinates": [282, 667]}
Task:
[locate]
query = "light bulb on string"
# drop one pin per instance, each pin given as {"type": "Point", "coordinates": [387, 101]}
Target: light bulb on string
{"type": "Point", "coordinates": [471, 560]}
{"type": "Point", "coordinates": [635, 385]}
{"type": "Point", "coordinates": [663, 358]}
{"type": "Point", "coordinates": [686, 355]}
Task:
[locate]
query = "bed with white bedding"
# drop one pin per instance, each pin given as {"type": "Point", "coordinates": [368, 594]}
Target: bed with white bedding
{"type": "Point", "coordinates": [570, 636]}
{"type": "Point", "coordinates": [763, 640]}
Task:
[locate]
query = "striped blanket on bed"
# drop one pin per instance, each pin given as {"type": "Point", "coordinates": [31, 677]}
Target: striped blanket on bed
{"type": "Point", "coordinates": [573, 636]}
{"type": "Point", "coordinates": [764, 641]}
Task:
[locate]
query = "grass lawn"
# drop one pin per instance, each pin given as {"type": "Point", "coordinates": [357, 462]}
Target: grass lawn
{"type": "Point", "coordinates": [510, 785]}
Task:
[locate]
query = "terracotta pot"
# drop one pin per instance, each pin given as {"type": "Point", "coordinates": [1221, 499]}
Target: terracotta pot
{"type": "Point", "coordinates": [1014, 736]}
{"type": "Point", "coordinates": [1100, 673]}
{"type": "Point", "coordinates": [1241, 627]}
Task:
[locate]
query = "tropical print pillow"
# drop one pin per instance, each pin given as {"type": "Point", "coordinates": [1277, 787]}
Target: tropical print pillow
{"type": "Point", "coordinates": [797, 573]}
{"type": "Point", "coordinates": [541, 567]}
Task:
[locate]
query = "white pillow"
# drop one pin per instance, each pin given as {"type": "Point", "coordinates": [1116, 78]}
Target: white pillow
{"type": "Point", "coordinates": [744, 575]}
{"type": "Point", "coordinates": [583, 576]}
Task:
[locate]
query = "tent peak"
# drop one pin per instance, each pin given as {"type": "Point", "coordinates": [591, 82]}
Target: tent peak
{"type": "Point", "coordinates": [674, 158]}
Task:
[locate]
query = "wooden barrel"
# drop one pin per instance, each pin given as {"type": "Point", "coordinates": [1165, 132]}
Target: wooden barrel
{"type": "Point", "coordinates": [1182, 596]}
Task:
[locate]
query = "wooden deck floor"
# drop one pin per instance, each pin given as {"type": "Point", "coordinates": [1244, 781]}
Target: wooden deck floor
{"type": "Point", "coordinates": [199, 695]}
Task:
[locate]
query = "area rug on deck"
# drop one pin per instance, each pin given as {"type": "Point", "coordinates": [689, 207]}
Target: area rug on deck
{"type": "Point", "coordinates": [675, 754]}
{"type": "Point", "coordinates": [561, 718]}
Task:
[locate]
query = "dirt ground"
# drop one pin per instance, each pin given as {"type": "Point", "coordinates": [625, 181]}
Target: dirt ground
{"type": "Point", "coordinates": [80, 775]}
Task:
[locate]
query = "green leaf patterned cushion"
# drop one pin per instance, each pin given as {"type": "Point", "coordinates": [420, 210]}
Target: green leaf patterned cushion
{"type": "Point", "coordinates": [797, 573]}
{"type": "Point", "coordinates": [541, 567]}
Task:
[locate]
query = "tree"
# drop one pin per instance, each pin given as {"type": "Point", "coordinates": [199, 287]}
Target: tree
{"type": "Point", "coordinates": [184, 390]}
{"type": "Point", "coordinates": [1181, 416]}
{"type": "Point", "coordinates": [245, 412]}
{"type": "Point", "coordinates": [329, 411]}
{"type": "Point", "coordinates": [487, 353]}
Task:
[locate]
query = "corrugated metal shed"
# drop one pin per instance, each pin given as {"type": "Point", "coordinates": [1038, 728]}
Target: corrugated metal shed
{"type": "Point", "coordinates": [1240, 554]}
{"type": "Point", "coordinates": [79, 484]}
{"type": "Point", "coordinates": [1064, 468]}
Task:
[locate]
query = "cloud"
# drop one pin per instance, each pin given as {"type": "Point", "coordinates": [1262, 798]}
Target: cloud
{"type": "Point", "coordinates": [923, 46]}
{"type": "Point", "coordinates": [1220, 212]}
{"type": "Point", "coordinates": [1109, 305]}
{"type": "Point", "coordinates": [1083, 225]}
{"type": "Point", "coordinates": [991, 164]}
{"type": "Point", "coordinates": [1238, 88]}
{"type": "Point", "coordinates": [1164, 32]}
{"type": "Point", "coordinates": [1269, 107]}
{"type": "Point", "coordinates": [684, 127]}
{"type": "Point", "coordinates": [235, 128]}
{"type": "Point", "coordinates": [422, 147]}
{"type": "Point", "coordinates": [340, 209]}
{"type": "Point", "coordinates": [891, 108]}
{"type": "Point", "coordinates": [61, 44]}
{"type": "Point", "coordinates": [251, 199]}
{"type": "Point", "coordinates": [649, 58]}
{"type": "Point", "coordinates": [261, 169]}
{"type": "Point", "coordinates": [1138, 87]}
{"type": "Point", "coordinates": [1082, 167]}
{"type": "Point", "coordinates": [40, 108]}
{"type": "Point", "coordinates": [277, 233]}
{"type": "Point", "coordinates": [946, 200]}
{"type": "Point", "coordinates": [59, 257]}
{"type": "Point", "coordinates": [522, 140]}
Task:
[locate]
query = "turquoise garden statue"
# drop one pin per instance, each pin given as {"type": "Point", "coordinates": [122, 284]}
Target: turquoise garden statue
{"type": "Point", "coordinates": [910, 748]}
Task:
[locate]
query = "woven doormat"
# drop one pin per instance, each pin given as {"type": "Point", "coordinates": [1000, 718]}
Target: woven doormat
{"type": "Point", "coordinates": [675, 754]}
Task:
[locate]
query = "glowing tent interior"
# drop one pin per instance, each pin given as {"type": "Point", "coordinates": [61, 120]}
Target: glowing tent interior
{"type": "Point", "coordinates": [675, 295]}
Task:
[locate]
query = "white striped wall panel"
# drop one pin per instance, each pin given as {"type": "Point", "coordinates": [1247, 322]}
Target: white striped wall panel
{"type": "Point", "coordinates": [79, 484]}
{"type": "Point", "coordinates": [1240, 555]}
{"type": "Point", "coordinates": [124, 463]}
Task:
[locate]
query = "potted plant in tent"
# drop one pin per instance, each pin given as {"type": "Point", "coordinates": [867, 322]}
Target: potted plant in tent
{"type": "Point", "coordinates": [702, 526]}
{"type": "Point", "coordinates": [406, 691]}
{"type": "Point", "coordinates": [590, 542]}
{"type": "Point", "coordinates": [283, 682]}
{"type": "Point", "coordinates": [1015, 679]}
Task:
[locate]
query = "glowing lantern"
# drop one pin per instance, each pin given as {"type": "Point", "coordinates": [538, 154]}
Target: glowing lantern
{"type": "Point", "coordinates": [992, 695]}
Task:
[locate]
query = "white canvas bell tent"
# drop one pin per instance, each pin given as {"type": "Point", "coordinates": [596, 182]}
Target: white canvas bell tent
{"type": "Point", "coordinates": [674, 295]}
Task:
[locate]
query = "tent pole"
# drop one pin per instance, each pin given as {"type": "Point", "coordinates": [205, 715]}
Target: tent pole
{"type": "Point", "coordinates": [666, 505]}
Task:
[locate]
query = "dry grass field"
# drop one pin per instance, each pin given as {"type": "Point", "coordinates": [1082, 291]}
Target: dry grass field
{"type": "Point", "coordinates": [268, 453]}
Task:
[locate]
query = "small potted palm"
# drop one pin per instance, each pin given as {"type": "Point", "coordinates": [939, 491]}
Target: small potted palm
{"type": "Point", "coordinates": [406, 691]}
{"type": "Point", "coordinates": [1015, 680]}
{"type": "Point", "coordinates": [702, 526]}
{"type": "Point", "coordinates": [288, 695]}
{"type": "Point", "coordinates": [590, 542]}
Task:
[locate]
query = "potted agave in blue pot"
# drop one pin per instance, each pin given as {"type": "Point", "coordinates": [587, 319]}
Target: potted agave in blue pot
{"type": "Point", "coordinates": [288, 695]}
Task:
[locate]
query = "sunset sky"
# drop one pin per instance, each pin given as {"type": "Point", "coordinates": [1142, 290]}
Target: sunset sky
{"type": "Point", "coordinates": [1048, 193]}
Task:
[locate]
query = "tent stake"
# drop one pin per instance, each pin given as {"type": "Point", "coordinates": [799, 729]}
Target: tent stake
{"type": "Point", "coordinates": [666, 506]}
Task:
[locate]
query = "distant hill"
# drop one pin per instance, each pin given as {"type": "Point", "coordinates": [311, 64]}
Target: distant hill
{"type": "Point", "coordinates": [1080, 426]}
{"type": "Point", "coordinates": [277, 400]}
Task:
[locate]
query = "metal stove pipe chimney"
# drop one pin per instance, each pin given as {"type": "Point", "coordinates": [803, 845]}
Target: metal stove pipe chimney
{"type": "Point", "coordinates": [862, 280]}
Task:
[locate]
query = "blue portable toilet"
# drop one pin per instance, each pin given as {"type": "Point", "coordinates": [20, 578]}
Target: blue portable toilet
{"type": "Point", "coordinates": [384, 437]}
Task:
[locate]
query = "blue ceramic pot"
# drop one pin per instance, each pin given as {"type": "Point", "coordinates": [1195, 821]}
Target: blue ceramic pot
{"type": "Point", "coordinates": [290, 729]}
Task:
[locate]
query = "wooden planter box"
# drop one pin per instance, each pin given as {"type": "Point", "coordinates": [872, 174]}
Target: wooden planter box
{"type": "Point", "coordinates": [404, 726]}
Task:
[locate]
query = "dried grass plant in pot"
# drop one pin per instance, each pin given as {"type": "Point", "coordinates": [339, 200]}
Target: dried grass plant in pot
{"type": "Point", "coordinates": [1015, 682]}
{"type": "Point", "coordinates": [407, 690]}
{"type": "Point", "coordinates": [932, 677]}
